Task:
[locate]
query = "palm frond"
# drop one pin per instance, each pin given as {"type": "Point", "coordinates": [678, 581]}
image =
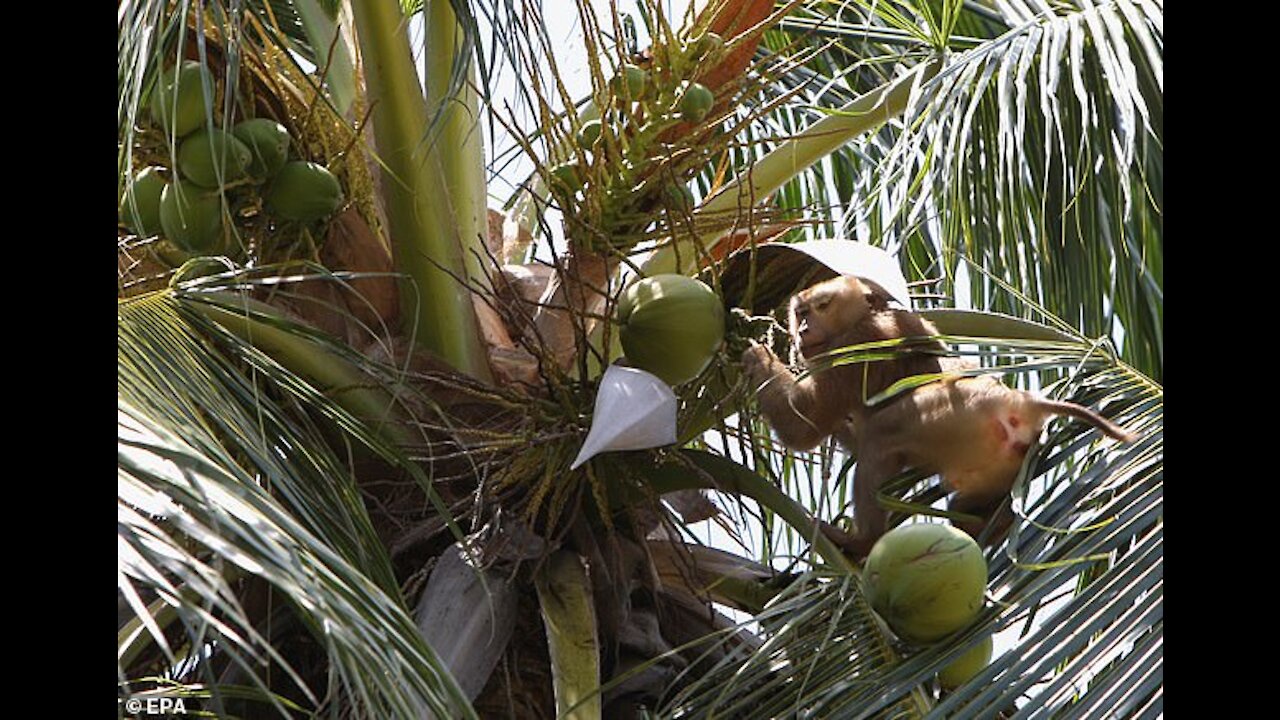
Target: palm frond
{"type": "Point", "coordinates": [1036, 155]}
{"type": "Point", "coordinates": [224, 481]}
{"type": "Point", "coordinates": [288, 17]}
{"type": "Point", "coordinates": [166, 369]}
{"type": "Point", "coordinates": [819, 635]}
{"type": "Point", "coordinates": [1027, 175]}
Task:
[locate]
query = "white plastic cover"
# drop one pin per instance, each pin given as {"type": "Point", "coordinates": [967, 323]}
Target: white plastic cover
{"type": "Point", "coordinates": [634, 410]}
{"type": "Point", "coordinates": [860, 260]}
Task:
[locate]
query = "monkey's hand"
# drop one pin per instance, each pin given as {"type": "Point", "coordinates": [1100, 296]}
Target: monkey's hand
{"type": "Point", "coordinates": [848, 541]}
{"type": "Point", "coordinates": [791, 407]}
{"type": "Point", "coordinates": [742, 329]}
{"type": "Point", "coordinates": [758, 363]}
{"type": "Point", "coordinates": [751, 326]}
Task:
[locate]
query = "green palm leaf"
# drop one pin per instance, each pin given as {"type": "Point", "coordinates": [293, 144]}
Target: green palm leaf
{"type": "Point", "coordinates": [1060, 109]}
{"type": "Point", "coordinates": [1035, 154]}
{"type": "Point", "coordinates": [819, 635]}
{"type": "Point", "coordinates": [220, 483]}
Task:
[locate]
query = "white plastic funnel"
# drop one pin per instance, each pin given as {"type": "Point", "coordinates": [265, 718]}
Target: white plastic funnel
{"type": "Point", "coordinates": [790, 268]}
{"type": "Point", "coordinates": [634, 410]}
{"type": "Point", "coordinates": [860, 260]}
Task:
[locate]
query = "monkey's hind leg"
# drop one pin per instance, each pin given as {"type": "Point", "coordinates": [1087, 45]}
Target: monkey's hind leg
{"type": "Point", "coordinates": [874, 467]}
{"type": "Point", "coordinates": [995, 517]}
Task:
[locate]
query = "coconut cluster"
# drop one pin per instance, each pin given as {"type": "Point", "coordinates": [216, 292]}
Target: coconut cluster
{"type": "Point", "coordinates": [644, 101]}
{"type": "Point", "coordinates": [927, 581]}
{"type": "Point", "coordinates": [187, 203]}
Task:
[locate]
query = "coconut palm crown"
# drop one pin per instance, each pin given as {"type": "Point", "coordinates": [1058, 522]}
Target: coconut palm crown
{"type": "Point", "coordinates": [370, 255]}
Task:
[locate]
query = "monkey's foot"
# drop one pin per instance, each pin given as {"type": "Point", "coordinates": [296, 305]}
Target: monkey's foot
{"type": "Point", "coordinates": [849, 543]}
{"type": "Point", "coordinates": [992, 518]}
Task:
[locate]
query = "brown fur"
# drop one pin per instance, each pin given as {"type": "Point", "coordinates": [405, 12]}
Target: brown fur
{"type": "Point", "coordinates": [973, 431]}
{"type": "Point", "coordinates": [828, 316]}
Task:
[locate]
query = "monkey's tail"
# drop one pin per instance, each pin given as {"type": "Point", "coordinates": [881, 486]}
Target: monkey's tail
{"type": "Point", "coordinates": [1083, 413]}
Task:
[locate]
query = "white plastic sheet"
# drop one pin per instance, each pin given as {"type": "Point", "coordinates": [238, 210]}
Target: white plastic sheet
{"type": "Point", "coordinates": [860, 260]}
{"type": "Point", "coordinates": [634, 410]}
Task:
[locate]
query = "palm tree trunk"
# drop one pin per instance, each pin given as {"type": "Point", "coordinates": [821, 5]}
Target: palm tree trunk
{"type": "Point", "coordinates": [424, 221]}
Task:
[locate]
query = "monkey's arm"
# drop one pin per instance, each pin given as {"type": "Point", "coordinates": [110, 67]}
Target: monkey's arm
{"type": "Point", "coordinates": [798, 410]}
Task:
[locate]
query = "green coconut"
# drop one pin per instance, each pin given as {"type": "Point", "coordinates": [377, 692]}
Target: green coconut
{"type": "Point", "coordinates": [140, 207]}
{"type": "Point", "coordinates": [207, 156]}
{"type": "Point", "coordinates": [567, 176]}
{"type": "Point", "coordinates": [964, 668]}
{"type": "Point", "coordinates": [631, 82]}
{"type": "Point", "coordinates": [192, 218]}
{"type": "Point", "coordinates": [589, 133]}
{"type": "Point", "coordinates": [303, 191]}
{"type": "Point", "coordinates": [696, 103]}
{"type": "Point", "coordinates": [926, 580]}
{"type": "Point", "coordinates": [671, 326]}
{"type": "Point", "coordinates": [708, 45]}
{"type": "Point", "coordinates": [268, 143]}
{"type": "Point", "coordinates": [177, 100]}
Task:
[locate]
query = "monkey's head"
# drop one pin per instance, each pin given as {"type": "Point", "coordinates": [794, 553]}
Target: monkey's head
{"type": "Point", "coordinates": [823, 315]}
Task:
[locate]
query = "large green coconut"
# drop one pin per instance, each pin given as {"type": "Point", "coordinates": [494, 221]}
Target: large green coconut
{"type": "Point", "coordinates": [206, 157]}
{"type": "Point", "coordinates": [192, 218]}
{"type": "Point", "coordinates": [926, 580]}
{"type": "Point", "coordinates": [140, 207]}
{"type": "Point", "coordinates": [964, 668]}
{"type": "Point", "coordinates": [268, 142]}
{"type": "Point", "coordinates": [177, 99]}
{"type": "Point", "coordinates": [671, 326]}
{"type": "Point", "coordinates": [303, 191]}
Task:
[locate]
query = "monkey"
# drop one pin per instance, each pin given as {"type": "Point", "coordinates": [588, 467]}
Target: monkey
{"type": "Point", "coordinates": [827, 316]}
{"type": "Point", "coordinates": [974, 431]}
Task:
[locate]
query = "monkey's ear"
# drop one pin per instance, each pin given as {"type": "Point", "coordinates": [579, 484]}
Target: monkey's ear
{"type": "Point", "coordinates": [877, 301]}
